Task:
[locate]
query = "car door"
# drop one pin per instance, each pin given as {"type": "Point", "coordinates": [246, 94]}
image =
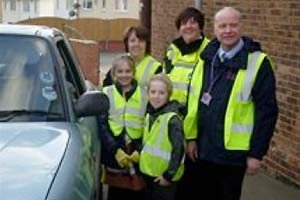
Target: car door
{"type": "Point", "coordinates": [87, 125]}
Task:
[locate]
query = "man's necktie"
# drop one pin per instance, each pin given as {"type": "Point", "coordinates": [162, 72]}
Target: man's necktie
{"type": "Point", "coordinates": [223, 57]}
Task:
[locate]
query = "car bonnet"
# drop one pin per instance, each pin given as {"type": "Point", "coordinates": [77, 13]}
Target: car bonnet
{"type": "Point", "coordinates": [30, 154]}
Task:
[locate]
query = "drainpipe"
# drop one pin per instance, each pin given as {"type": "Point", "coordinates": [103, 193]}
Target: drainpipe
{"type": "Point", "coordinates": [145, 13]}
{"type": "Point", "coordinates": [198, 4]}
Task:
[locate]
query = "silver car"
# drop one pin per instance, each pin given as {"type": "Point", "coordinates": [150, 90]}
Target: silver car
{"type": "Point", "coordinates": [49, 144]}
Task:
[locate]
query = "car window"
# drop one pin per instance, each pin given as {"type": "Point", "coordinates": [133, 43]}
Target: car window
{"type": "Point", "coordinates": [28, 84]}
{"type": "Point", "coordinates": [72, 75]}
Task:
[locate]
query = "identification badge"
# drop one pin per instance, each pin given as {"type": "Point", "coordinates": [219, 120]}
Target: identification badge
{"type": "Point", "coordinates": [206, 98]}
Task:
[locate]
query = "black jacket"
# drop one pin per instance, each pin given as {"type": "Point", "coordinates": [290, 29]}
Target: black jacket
{"type": "Point", "coordinates": [211, 118]}
{"type": "Point", "coordinates": [176, 135]}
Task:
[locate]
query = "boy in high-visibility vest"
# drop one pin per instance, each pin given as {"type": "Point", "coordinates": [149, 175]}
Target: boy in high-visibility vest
{"type": "Point", "coordinates": [161, 158]}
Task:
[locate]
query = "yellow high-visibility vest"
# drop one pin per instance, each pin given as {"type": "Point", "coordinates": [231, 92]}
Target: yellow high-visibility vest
{"type": "Point", "coordinates": [239, 116]}
{"type": "Point", "coordinates": [156, 153]}
{"type": "Point", "coordinates": [126, 114]}
{"type": "Point", "coordinates": [145, 69]}
{"type": "Point", "coordinates": [183, 67]}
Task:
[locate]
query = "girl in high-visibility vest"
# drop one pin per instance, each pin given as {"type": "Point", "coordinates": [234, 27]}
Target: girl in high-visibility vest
{"type": "Point", "coordinates": [161, 158]}
{"type": "Point", "coordinates": [137, 44]}
{"type": "Point", "coordinates": [121, 131]}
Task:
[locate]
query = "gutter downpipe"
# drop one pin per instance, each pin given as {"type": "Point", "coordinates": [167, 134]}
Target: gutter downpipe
{"type": "Point", "coordinates": [198, 4]}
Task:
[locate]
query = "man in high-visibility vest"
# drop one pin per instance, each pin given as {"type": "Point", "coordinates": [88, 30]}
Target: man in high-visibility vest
{"type": "Point", "coordinates": [232, 110]}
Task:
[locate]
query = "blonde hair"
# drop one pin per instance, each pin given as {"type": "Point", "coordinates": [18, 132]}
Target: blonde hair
{"type": "Point", "coordinates": [123, 58]}
{"type": "Point", "coordinates": [164, 79]}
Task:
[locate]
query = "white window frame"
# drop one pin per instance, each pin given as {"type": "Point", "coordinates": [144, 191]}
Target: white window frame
{"type": "Point", "coordinates": [87, 4]}
{"type": "Point", "coordinates": [121, 5]}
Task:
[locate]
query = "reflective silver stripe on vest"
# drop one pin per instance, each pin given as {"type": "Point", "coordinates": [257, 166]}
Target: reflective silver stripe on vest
{"type": "Point", "coordinates": [161, 130]}
{"type": "Point", "coordinates": [180, 86]}
{"type": "Point", "coordinates": [129, 124]}
{"type": "Point", "coordinates": [157, 152]}
{"type": "Point", "coordinates": [191, 88]}
{"type": "Point", "coordinates": [171, 54]}
{"type": "Point", "coordinates": [245, 95]}
{"type": "Point", "coordinates": [239, 128]}
{"type": "Point", "coordinates": [146, 73]}
{"type": "Point", "coordinates": [143, 102]}
{"type": "Point", "coordinates": [129, 110]}
{"type": "Point", "coordinates": [110, 93]}
{"type": "Point", "coordinates": [184, 65]}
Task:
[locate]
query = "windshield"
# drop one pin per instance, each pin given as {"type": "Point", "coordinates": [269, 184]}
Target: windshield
{"type": "Point", "coordinates": [28, 83]}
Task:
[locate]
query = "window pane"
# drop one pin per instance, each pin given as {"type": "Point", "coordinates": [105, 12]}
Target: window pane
{"type": "Point", "coordinates": [117, 4]}
{"type": "Point", "coordinates": [125, 4]}
{"type": "Point", "coordinates": [36, 6]}
{"type": "Point", "coordinates": [87, 4]}
{"type": "Point", "coordinates": [103, 4]}
{"type": "Point", "coordinates": [13, 5]}
{"type": "Point", "coordinates": [26, 6]}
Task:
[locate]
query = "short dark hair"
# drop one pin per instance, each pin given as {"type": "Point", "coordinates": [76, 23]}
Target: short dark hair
{"type": "Point", "coordinates": [141, 32]}
{"type": "Point", "coordinates": [189, 13]}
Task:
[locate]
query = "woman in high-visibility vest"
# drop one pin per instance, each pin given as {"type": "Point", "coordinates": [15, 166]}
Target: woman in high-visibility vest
{"type": "Point", "coordinates": [184, 52]}
{"type": "Point", "coordinates": [137, 44]}
{"type": "Point", "coordinates": [181, 58]}
{"type": "Point", "coordinates": [121, 131]}
{"type": "Point", "coordinates": [162, 155]}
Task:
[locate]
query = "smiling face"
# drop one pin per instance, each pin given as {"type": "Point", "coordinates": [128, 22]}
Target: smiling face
{"type": "Point", "coordinates": [136, 46]}
{"type": "Point", "coordinates": [189, 30]}
{"type": "Point", "coordinates": [158, 93]}
{"type": "Point", "coordinates": [123, 73]}
{"type": "Point", "coordinates": [227, 27]}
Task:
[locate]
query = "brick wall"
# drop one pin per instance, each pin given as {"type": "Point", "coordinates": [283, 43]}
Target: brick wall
{"type": "Point", "coordinates": [276, 24]}
{"type": "Point", "coordinates": [163, 29]}
{"type": "Point", "coordinates": [87, 52]}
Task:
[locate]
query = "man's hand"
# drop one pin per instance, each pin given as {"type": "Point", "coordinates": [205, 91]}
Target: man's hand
{"type": "Point", "coordinates": [253, 166]}
{"type": "Point", "coordinates": [161, 181]}
{"type": "Point", "coordinates": [192, 150]}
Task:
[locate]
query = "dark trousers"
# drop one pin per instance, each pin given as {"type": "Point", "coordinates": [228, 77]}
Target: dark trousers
{"type": "Point", "coordinates": [187, 185]}
{"type": "Point", "coordinates": [211, 181]}
{"type": "Point", "coordinates": [120, 193]}
{"type": "Point", "coordinates": [153, 191]}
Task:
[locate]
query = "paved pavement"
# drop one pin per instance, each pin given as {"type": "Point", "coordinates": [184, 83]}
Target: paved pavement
{"type": "Point", "coordinates": [259, 187]}
{"type": "Point", "coordinates": [263, 187]}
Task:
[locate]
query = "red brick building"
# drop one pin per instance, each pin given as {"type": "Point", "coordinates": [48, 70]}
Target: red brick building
{"type": "Point", "coordinates": [276, 24]}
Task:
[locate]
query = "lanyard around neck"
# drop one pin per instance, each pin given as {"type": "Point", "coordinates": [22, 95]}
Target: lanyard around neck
{"type": "Point", "coordinates": [212, 78]}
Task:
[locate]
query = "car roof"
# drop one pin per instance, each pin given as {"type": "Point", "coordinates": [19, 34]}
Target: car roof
{"type": "Point", "coordinates": [31, 30]}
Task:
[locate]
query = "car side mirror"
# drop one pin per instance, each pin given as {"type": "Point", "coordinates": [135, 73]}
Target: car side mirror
{"type": "Point", "coordinates": [91, 103]}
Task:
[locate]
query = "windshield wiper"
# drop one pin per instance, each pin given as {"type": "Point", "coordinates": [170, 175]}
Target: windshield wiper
{"type": "Point", "coordinates": [7, 115]}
